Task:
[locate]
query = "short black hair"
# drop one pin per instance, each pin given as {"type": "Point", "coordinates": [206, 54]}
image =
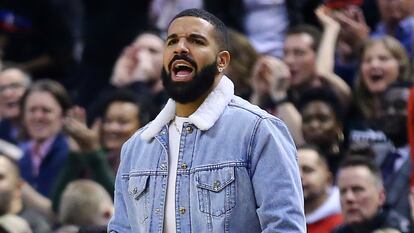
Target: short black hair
{"type": "Point", "coordinates": [219, 26]}
{"type": "Point", "coordinates": [325, 95]}
{"type": "Point", "coordinates": [312, 31]}
{"type": "Point", "coordinates": [121, 95]}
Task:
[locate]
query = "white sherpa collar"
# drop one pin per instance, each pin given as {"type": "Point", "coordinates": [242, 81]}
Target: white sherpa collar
{"type": "Point", "coordinates": [204, 117]}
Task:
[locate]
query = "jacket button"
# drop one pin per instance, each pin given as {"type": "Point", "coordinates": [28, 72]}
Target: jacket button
{"type": "Point", "coordinates": [135, 190]}
{"type": "Point", "coordinates": [163, 167]}
{"type": "Point", "coordinates": [182, 210]}
{"type": "Point", "coordinates": [184, 166]}
{"type": "Point", "coordinates": [216, 185]}
{"type": "Point", "coordinates": [189, 129]}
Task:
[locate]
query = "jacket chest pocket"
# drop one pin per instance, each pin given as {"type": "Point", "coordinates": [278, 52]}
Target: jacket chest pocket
{"type": "Point", "coordinates": [216, 190]}
{"type": "Point", "coordinates": [138, 201]}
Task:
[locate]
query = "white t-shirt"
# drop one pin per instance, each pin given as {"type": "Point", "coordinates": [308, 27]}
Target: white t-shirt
{"type": "Point", "coordinates": [174, 132]}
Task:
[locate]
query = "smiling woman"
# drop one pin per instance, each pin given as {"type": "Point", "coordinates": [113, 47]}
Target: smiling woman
{"type": "Point", "coordinates": [383, 62]}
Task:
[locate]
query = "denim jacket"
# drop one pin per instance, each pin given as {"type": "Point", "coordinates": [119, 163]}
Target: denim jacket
{"type": "Point", "coordinates": [237, 172]}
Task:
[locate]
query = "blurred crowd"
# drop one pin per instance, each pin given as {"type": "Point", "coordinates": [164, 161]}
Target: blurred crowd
{"type": "Point", "coordinates": [79, 77]}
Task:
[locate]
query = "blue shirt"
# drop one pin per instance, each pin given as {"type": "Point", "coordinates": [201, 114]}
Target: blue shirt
{"type": "Point", "coordinates": [403, 33]}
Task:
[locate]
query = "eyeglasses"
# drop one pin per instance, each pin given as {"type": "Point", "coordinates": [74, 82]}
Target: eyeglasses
{"type": "Point", "coordinates": [12, 87]}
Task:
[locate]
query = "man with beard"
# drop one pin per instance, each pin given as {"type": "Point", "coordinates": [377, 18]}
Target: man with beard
{"type": "Point", "coordinates": [210, 161]}
{"type": "Point", "coordinates": [11, 196]}
{"type": "Point", "coordinates": [322, 207]}
{"type": "Point", "coordinates": [394, 157]}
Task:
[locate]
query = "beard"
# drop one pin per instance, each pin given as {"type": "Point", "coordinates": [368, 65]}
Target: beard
{"type": "Point", "coordinates": [185, 92]}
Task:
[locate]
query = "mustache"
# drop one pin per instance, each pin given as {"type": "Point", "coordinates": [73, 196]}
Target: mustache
{"type": "Point", "coordinates": [182, 57]}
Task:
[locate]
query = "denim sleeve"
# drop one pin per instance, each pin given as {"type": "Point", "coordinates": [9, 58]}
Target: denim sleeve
{"type": "Point", "coordinates": [276, 179]}
{"type": "Point", "coordinates": [119, 222]}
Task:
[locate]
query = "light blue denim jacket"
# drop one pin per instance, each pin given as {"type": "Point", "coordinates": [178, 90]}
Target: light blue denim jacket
{"type": "Point", "coordinates": [237, 172]}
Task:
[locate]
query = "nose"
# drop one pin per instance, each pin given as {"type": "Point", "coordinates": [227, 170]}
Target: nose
{"type": "Point", "coordinates": [288, 58]}
{"type": "Point", "coordinates": [181, 47]}
{"type": "Point", "coordinates": [375, 63]}
{"type": "Point", "coordinates": [37, 114]}
{"type": "Point", "coordinates": [112, 127]}
{"type": "Point", "coordinates": [313, 123]}
{"type": "Point", "coordinates": [8, 92]}
{"type": "Point", "coordinates": [348, 196]}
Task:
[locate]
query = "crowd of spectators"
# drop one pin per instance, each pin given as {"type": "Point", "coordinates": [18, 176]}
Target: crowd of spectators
{"type": "Point", "coordinates": [79, 77]}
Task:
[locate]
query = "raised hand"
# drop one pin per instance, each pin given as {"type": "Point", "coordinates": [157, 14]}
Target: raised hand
{"type": "Point", "coordinates": [271, 76]}
{"type": "Point", "coordinates": [82, 138]}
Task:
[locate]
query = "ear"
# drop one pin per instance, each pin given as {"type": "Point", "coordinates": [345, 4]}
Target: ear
{"type": "Point", "coordinates": [107, 213]}
{"type": "Point", "coordinates": [382, 196]}
{"type": "Point", "coordinates": [19, 187]}
{"type": "Point", "coordinates": [329, 178]}
{"type": "Point", "coordinates": [223, 60]}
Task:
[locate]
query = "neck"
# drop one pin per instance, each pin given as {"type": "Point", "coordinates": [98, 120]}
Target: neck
{"type": "Point", "coordinates": [16, 206]}
{"type": "Point", "coordinates": [312, 205]}
{"type": "Point", "coordinates": [185, 110]}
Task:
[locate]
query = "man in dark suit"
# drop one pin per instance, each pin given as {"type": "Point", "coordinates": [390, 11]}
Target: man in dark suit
{"type": "Point", "coordinates": [393, 157]}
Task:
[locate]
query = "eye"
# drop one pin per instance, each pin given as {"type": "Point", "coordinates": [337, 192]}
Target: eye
{"type": "Point", "coordinates": [306, 119]}
{"type": "Point", "coordinates": [199, 42]}
{"type": "Point", "coordinates": [172, 41]}
{"type": "Point", "coordinates": [153, 51]}
{"type": "Point", "coordinates": [298, 52]}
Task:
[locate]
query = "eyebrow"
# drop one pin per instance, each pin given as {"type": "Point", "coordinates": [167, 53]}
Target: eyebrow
{"type": "Point", "coordinates": [192, 35]}
{"type": "Point", "coordinates": [196, 36]}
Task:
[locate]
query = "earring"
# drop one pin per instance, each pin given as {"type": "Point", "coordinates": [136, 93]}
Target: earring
{"type": "Point", "coordinates": [341, 136]}
{"type": "Point", "coordinates": [220, 69]}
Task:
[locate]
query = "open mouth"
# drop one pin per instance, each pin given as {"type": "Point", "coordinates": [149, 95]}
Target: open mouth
{"type": "Point", "coordinates": [182, 71]}
{"type": "Point", "coordinates": [376, 77]}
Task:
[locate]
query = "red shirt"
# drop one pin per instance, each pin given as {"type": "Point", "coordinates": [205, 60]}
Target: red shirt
{"type": "Point", "coordinates": [325, 225]}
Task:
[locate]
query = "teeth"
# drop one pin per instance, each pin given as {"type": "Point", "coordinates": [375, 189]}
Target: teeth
{"type": "Point", "coordinates": [179, 66]}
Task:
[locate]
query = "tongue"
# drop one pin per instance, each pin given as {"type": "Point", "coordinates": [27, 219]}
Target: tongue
{"type": "Point", "coordinates": [183, 73]}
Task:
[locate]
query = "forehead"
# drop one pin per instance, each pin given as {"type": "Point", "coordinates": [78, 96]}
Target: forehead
{"type": "Point", "coordinates": [355, 176]}
{"type": "Point", "coordinates": [317, 106]}
{"type": "Point", "coordinates": [187, 25]}
{"type": "Point", "coordinates": [12, 75]}
{"type": "Point", "coordinates": [148, 40]}
{"type": "Point", "coordinates": [377, 48]}
{"type": "Point", "coordinates": [299, 40]}
{"type": "Point", "coordinates": [122, 108]}
{"type": "Point", "coordinates": [42, 97]}
{"type": "Point", "coordinates": [308, 156]}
